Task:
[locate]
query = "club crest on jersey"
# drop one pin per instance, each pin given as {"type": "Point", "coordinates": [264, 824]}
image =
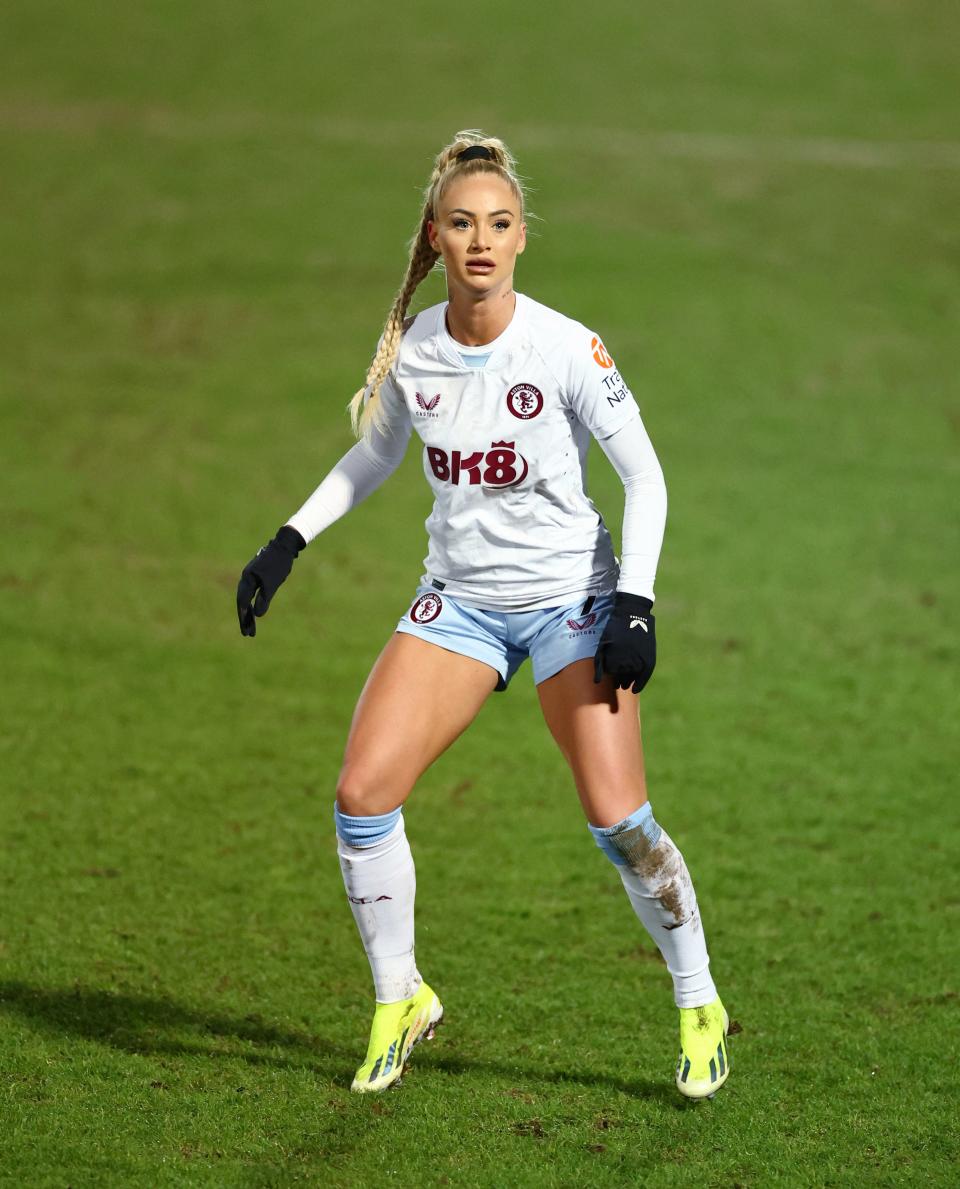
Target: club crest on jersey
{"type": "Point", "coordinates": [426, 608]}
{"type": "Point", "coordinates": [582, 625]}
{"type": "Point", "coordinates": [427, 404]}
{"type": "Point", "coordinates": [524, 401]}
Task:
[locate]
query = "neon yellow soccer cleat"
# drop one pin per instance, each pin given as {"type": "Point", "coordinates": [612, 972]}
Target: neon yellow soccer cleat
{"type": "Point", "coordinates": [397, 1027]}
{"type": "Point", "coordinates": [703, 1065]}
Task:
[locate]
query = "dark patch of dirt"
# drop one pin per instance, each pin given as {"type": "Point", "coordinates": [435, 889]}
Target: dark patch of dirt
{"type": "Point", "coordinates": [458, 790]}
{"type": "Point", "coordinates": [735, 1028]}
{"type": "Point", "coordinates": [530, 1127]}
{"type": "Point", "coordinates": [604, 1123]}
{"type": "Point", "coordinates": [941, 1000]}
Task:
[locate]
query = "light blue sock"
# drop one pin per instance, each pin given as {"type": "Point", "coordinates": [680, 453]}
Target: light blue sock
{"type": "Point", "coordinates": [641, 818]}
{"type": "Point", "coordinates": [365, 831]}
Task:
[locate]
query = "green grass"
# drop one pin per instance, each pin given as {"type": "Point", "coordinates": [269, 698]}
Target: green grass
{"type": "Point", "coordinates": [202, 220]}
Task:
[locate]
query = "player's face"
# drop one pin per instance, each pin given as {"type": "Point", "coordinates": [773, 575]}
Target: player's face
{"type": "Point", "coordinates": [479, 233]}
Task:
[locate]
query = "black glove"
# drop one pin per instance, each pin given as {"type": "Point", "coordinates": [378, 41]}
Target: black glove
{"type": "Point", "coordinates": [628, 646]}
{"type": "Point", "coordinates": [263, 576]}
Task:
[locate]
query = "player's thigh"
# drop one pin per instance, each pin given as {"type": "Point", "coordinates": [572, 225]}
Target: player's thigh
{"type": "Point", "coordinates": [418, 698]}
{"type": "Point", "coordinates": [597, 727]}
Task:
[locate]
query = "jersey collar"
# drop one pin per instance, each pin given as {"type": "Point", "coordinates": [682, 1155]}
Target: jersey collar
{"type": "Point", "coordinates": [449, 349]}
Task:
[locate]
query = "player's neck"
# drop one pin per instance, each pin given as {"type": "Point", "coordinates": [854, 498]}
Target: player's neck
{"type": "Point", "coordinates": [476, 321]}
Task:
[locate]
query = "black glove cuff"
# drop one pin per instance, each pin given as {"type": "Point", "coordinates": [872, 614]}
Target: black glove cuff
{"type": "Point", "coordinates": [631, 603]}
{"type": "Point", "coordinates": [289, 540]}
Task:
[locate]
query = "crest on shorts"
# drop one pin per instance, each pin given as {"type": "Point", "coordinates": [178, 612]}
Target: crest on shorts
{"type": "Point", "coordinates": [524, 401]}
{"type": "Point", "coordinates": [581, 625]}
{"type": "Point", "coordinates": [426, 608]}
{"type": "Point", "coordinates": [429, 403]}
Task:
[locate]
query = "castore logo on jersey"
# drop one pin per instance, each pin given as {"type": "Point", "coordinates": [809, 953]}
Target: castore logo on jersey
{"type": "Point", "coordinates": [500, 466]}
{"type": "Point", "coordinates": [427, 404]}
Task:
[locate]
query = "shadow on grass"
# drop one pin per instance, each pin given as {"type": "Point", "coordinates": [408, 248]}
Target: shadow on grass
{"type": "Point", "coordinates": [662, 1092]}
{"type": "Point", "coordinates": [147, 1025]}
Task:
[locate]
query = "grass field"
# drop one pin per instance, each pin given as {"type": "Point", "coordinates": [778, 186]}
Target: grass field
{"type": "Point", "coordinates": [203, 213]}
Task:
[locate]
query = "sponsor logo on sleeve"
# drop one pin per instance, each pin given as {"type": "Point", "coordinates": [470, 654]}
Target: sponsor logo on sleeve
{"type": "Point", "coordinates": [426, 608]}
{"type": "Point", "coordinates": [524, 401]}
{"type": "Point", "coordinates": [601, 355]}
{"type": "Point", "coordinates": [616, 389]}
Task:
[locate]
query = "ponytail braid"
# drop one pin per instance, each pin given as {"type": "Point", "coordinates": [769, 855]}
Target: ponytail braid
{"type": "Point", "coordinates": [365, 408]}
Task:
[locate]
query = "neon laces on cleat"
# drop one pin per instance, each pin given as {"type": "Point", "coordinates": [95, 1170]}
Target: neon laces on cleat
{"type": "Point", "coordinates": [703, 1065]}
{"type": "Point", "coordinates": [397, 1027]}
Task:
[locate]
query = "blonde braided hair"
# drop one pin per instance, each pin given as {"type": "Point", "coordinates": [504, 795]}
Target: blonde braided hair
{"type": "Point", "coordinates": [365, 408]}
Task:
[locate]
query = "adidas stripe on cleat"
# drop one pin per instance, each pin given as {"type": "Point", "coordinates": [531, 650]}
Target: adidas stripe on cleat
{"type": "Point", "coordinates": [397, 1027]}
{"type": "Point", "coordinates": [703, 1065]}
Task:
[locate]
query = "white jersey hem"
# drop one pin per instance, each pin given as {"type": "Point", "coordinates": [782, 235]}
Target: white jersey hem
{"type": "Point", "coordinates": [555, 598]}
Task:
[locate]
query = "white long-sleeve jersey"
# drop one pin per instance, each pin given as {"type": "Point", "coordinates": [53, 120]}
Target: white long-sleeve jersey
{"type": "Point", "coordinates": [505, 453]}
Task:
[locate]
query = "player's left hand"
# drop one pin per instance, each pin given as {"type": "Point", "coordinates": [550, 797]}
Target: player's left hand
{"type": "Point", "coordinates": [628, 646]}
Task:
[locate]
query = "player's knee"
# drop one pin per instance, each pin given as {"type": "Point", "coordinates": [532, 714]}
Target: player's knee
{"type": "Point", "coordinates": [354, 793]}
{"type": "Point", "coordinates": [363, 791]}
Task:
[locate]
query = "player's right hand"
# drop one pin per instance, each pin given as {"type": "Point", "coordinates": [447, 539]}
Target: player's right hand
{"type": "Point", "coordinates": [263, 576]}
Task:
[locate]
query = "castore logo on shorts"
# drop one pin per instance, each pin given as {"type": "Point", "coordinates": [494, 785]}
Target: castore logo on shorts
{"type": "Point", "coordinates": [582, 625]}
{"type": "Point", "coordinates": [500, 466]}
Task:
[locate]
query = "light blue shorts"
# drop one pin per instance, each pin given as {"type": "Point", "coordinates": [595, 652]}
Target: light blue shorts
{"type": "Point", "coordinates": [552, 637]}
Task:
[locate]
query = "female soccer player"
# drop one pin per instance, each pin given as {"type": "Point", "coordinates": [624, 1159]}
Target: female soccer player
{"type": "Point", "coordinates": [504, 394]}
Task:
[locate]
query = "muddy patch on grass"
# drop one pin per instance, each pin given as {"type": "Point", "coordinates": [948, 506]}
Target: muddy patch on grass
{"type": "Point", "coordinates": [531, 1127]}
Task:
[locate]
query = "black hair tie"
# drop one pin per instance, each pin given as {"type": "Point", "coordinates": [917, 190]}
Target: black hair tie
{"type": "Point", "coordinates": [475, 152]}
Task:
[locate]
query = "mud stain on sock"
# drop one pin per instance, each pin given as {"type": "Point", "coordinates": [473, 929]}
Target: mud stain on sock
{"type": "Point", "coordinates": [661, 867]}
